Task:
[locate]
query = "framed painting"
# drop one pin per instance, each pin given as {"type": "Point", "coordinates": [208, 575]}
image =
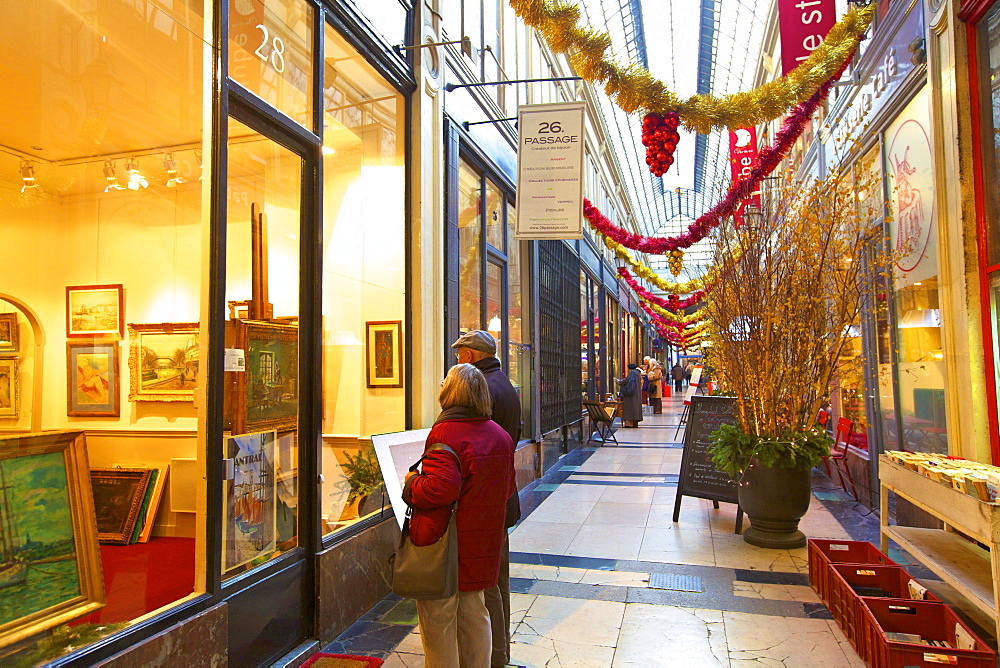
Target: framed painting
{"type": "Point", "coordinates": [163, 361]}
{"type": "Point", "coordinates": [92, 380]}
{"type": "Point", "coordinates": [8, 333]}
{"type": "Point", "coordinates": [266, 394]}
{"type": "Point", "coordinates": [94, 310]}
{"type": "Point", "coordinates": [50, 561]}
{"type": "Point", "coordinates": [384, 356]}
{"type": "Point", "coordinates": [250, 499]}
{"type": "Point", "coordinates": [10, 387]}
{"type": "Point", "coordinates": [119, 495]}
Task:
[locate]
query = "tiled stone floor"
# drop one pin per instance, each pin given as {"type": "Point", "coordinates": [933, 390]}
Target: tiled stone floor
{"type": "Point", "coordinates": [596, 528]}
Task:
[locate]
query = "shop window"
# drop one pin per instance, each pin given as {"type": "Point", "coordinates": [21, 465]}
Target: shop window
{"type": "Point", "coordinates": [364, 274]}
{"type": "Point", "coordinates": [260, 446]}
{"type": "Point", "coordinates": [920, 356]}
{"type": "Point", "coordinates": [271, 55]}
{"type": "Point", "coordinates": [519, 351]}
{"type": "Point", "coordinates": [101, 198]}
{"type": "Point", "coordinates": [494, 216]}
{"type": "Point", "coordinates": [469, 248]}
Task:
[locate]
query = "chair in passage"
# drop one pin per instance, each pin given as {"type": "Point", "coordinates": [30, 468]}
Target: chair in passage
{"type": "Point", "coordinates": [601, 420]}
{"type": "Point", "coordinates": [838, 453]}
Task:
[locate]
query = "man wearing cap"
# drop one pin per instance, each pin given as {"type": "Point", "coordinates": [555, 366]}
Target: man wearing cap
{"type": "Point", "coordinates": [479, 349]}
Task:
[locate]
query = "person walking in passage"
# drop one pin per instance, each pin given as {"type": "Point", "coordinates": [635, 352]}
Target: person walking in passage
{"type": "Point", "coordinates": [655, 377]}
{"type": "Point", "coordinates": [629, 389]}
{"type": "Point", "coordinates": [677, 373]}
{"type": "Point", "coordinates": [455, 631]}
{"type": "Point", "coordinates": [479, 349]}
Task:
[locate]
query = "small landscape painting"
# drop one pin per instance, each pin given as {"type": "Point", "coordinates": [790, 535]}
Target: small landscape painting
{"type": "Point", "coordinates": [94, 310]}
{"type": "Point", "coordinates": [10, 387]}
{"type": "Point", "coordinates": [8, 333]}
{"type": "Point", "coordinates": [163, 361]}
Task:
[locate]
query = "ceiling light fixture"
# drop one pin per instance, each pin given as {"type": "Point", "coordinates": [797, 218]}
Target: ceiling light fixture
{"type": "Point", "coordinates": [111, 176]}
{"type": "Point", "coordinates": [135, 178]}
{"type": "Point", "coordinates": [28, 176]}
{"type": "Point", "coordinates": [171, 167]}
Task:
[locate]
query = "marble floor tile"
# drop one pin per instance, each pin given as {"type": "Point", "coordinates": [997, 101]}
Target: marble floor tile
{"type": "Point", "coordinates": [544, 537]}
{"type": "Point", "coordinates": [756, 640]}
{"type": "Point", "coordinates": [411, 643]}
{"type": "Point", "coordinates": [775, 592]}
{"type": "Point", "coordinates": [519, 604]}
{"type": "Point", "coordinates": [692, 516]}
{"type": "Point", "coordinates": [663, 635]}
{"type": "Point", "coordinates": [619, 578]}
{"type": "Point", "coordinates": [567, 494]}
{"type": "Point", "coordinates": [563, 510]}
{"type": "Point", "coordinates": [551, 653]}
{"type": "Point", "coordinates": [568, 620]}
{"type": "Point", "coordinates": [619, 514]}
{"type": "Point", "coordinates": [678, 546]}
{"type": "Point", "coordinates": [629, 494]}
{"type": "Point", "coordinates": [732, 552]}
{"type": "Point", "coordinates": [609, 542]}
{"type": "Point", "coordinates": [404, 660]}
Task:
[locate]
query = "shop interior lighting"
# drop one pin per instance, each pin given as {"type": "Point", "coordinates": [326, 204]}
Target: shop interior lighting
{"type": "Point", "coordinates": [494, 325]}
{"type": "Point", "coordinates": [135, 178]}
{"type": "Point", "coordinates": [27, 176]}
{"type": "Point", "coordinates": [171, 167]}
{"type": "Point", "coordinates": [197, 156]}
{"type": "Point", "coordinates": [111, 176]}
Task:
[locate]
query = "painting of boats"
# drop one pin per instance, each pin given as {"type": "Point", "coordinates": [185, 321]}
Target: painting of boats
{"type": "Point", "coordinates": [250, 531]}
{"type": "Point", "coordinates": [49, 559]}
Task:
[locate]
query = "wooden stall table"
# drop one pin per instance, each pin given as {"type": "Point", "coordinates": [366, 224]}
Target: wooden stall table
{"type": "Point", "coordinates": [973, 571]}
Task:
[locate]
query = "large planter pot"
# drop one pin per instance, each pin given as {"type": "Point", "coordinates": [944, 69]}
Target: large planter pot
{"type": "Point", "coordinates": [775, 499]}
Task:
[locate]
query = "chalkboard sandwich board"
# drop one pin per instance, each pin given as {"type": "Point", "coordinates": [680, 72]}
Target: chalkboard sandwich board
{"type": "Point", "coordinates": [699, 477]}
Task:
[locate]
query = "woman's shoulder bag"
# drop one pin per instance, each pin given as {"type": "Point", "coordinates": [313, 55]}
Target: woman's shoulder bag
{"type": "Point", "coordinates": [429, 572]}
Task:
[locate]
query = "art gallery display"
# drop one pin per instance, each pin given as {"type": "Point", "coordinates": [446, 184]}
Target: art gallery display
{"type": "Point", "coordinates": [265, 395]}
{"type": "Point", "coordinates": [384, 357]}
{"type": "Point", "coordinates": [119, 498]}
{"type": "Point", "coordinates": [8, 333]}
{"type": "Point", "coordinates": [250, 495]}
{"type": "Point", "coordinates": [10, 389]}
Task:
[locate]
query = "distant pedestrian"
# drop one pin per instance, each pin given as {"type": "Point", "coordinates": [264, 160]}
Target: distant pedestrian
{"type": "Point", "coordinates": [630, 389]}
{"type": "Point", "coordinates": [655, 376]}
{"type": "Point", "coordinates": [677, 373]}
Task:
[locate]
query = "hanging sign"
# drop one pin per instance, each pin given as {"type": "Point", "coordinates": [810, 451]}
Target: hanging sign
{"type": "Point", "coordinates": [550, 171]}
{"type": "Point", "coordinates": [742, 154]}
{"type": "Point", "coordinates": [803, 25]}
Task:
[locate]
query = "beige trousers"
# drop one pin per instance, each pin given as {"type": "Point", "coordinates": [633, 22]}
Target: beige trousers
{"type": "Point", "coordinates": [455, 631]}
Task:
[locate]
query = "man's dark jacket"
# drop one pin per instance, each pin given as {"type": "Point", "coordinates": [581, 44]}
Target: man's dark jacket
{"type": "Point", "coordinates": [507, 414]}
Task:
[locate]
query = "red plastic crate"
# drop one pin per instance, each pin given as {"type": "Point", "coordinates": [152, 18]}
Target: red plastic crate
{"type": "Point", "coordinates": [845, 603]}
{"type": "Point", "coordinates": [823, 553]}
{"type": "Point", "coordinates": [933, 621]}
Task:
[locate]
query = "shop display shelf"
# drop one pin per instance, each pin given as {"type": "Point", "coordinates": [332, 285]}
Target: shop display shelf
{"type": "Point", "coordinates": [929, 620]}
{"type": "Point", "coordinates": [972, 570]}
{"type": "Point", "coordinates": [823, 553]}
{"type": "Point", "coordinates": [849, 582]}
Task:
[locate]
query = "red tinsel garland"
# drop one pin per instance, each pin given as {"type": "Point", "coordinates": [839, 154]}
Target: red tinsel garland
{"type": "Point", "coordinates": [660, 320]}
{"type": "Point", "coordinates": [765, 163]}
{"type": "Point", "coordinates": [671, 303]}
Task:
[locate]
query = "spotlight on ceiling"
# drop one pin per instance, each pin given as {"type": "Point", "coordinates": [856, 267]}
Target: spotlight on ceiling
{"type": "Point", "coordinates": [171, 167]}
{"type": "Point", "coordinates": [111, 176]}
{"type": "Point", "coordinates": [27, 176]}
{"type": "Point", "coordinates": [135, 178]}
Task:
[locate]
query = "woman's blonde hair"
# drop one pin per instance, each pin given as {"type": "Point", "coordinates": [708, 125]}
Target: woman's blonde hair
{"type": "Point", "coordinates": [465, 385]}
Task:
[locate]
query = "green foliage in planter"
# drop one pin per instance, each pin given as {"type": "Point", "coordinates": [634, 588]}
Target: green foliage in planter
{"type": "Point", "coordinates": [732, 449]}
{"type": "Point", "coordinates": [363, 473]}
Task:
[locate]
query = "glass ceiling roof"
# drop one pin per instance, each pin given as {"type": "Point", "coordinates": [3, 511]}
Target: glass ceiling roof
{"type": "Point", "coordinates": [693, 46]}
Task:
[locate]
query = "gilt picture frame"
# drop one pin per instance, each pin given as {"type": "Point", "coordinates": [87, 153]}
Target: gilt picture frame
{"type": "Point", "coordinates": [118, 499]}
{"type": "Point", "coordinates": [265, 395]}
{"type": "Point", "coordinates": [163, 361]}
{"type": "Point", "coordinates": [93, 311]}
{"type": "Point", "coordinates": [384, 353]}
{"type": "Point", "coordinates": [46, 480]}
{"type": "Point", "coordinates": [8, 333]}
{"type": "Point", "coordinates": [93, 382]}
{"type": "Point", "coordinates": [10, 387]}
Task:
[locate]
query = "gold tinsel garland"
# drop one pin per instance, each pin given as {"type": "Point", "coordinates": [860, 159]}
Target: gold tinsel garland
{"type": "Point", "coordinates": [633, 88]}
{"type": "Point", "coordinates": [643, 271]}
{"type": "Point", "coordinates": [670, 315]}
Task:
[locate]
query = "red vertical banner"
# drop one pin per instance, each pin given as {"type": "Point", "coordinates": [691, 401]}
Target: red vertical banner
{"type": "Point", "coordinates": [803, 25]}
{"type": "Point", "coordinates": [742, 155]}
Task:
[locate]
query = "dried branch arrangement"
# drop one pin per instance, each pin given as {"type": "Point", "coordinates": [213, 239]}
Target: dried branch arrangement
{"type": "Point", "coordinates": [781, 308]}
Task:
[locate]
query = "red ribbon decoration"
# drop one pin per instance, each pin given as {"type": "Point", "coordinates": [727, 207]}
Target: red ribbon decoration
{"type": "Point", "coordinates": [766, 162]}
{"type": "Point", "coordinates": [671, 303]}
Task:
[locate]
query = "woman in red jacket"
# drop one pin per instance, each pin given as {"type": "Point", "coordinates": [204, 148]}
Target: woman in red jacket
{"type": "Point", "coordinates": [456, 631]}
